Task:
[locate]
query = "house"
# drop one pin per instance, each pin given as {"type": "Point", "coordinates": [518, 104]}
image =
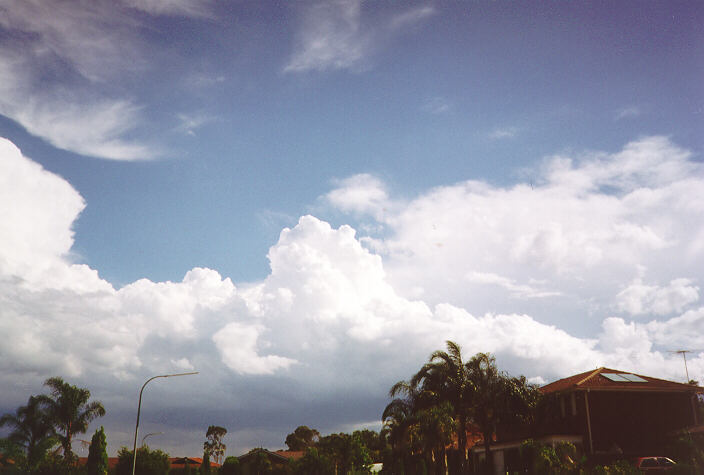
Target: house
{"type": "Point", "coordinates": [605, 413]}
{"type": "Point", "coordinates": [254, 460]}
{"type": "Point", "coordinates": [178, 464]}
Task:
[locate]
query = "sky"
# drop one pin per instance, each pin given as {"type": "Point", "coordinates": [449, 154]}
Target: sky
{"type": "Point", "coordinates": [303, 200]}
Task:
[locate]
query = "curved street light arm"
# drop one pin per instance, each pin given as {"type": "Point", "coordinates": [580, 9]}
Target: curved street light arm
{"type": "Point", "coordinates": [139, 408]}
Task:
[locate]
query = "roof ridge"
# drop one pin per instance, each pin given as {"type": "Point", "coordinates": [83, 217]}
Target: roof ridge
{"type": "Point", "coordinates": [596, 371]}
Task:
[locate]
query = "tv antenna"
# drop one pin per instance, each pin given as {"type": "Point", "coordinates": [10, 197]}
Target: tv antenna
{"type": "Point", "coordinates": [684, 357]}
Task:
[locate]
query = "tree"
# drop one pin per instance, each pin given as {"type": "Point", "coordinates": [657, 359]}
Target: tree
{"type": "Point", "coordinates": [213, 446]}
{"type": "Point", "coordinates": [32, 434]}
{"type": "Point", "coordinates": [313, 463]}
{"type": "Point", "coordinates": [97, 454]}
{"type": "Point", "coordinates": [70, 411]}
{"type": "Point", "coordinates": [498, 398]}
{"type": "Point", "coordinates": [346, 452]}
{"type": "Point", "coordinates": [149, 462]}
{"type": "Point", "coordinates": [399, 419]}
{"type": "Point", "coordinates": [446, 378]}
{"type": "Point", "coordinates": [231, 466]}
{"type": "Point", "coordinates": [205, 465]}
{"type": "Point", "coordinates": [302, 438]}
{"type": "Point", "coordinates": [259, 463]}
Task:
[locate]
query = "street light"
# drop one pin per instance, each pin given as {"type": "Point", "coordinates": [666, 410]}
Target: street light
{"type": "Point", "coordinates": [151, 433]}
{"type": "Point", "coordinates": [139, 407]}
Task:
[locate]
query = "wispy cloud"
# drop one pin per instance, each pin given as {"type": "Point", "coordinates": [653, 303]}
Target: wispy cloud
{"type": "Point", "coordinates": [515, 289]}
{"type": "Point", "coordinates": [82, 47]}
{"type": "Point", "coordinates": [435, 105]}
{"type": "Point", "coordinates": [628, 113]}
{"type": "Point", "coordinates": [189, 123]}
{"type": "Point", "coordinates": [331, 37]}
{"type": "Point", "coordinates": [411, 17]}
{"type": "Point", "coordinates": [190, 8]}
{"type": "Point", "coordinates": [503, 133]}
{"type": "Point", "coordinates": [334, 36]}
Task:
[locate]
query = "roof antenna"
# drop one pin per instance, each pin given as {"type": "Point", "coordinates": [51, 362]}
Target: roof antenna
{"type": "Point", "coordinates": [684, 357]}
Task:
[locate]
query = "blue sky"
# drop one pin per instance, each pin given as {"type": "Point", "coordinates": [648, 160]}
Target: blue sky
{"type": "Point", "coordinates": [328, 174]}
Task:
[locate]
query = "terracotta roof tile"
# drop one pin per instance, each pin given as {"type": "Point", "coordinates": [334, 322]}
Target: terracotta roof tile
{"type": "Point", "coordinates": [594, 380]}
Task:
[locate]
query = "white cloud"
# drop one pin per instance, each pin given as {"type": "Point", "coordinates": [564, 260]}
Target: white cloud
{"type": "Point", "coordinates": [628, 113]}
{"type": "Point", "coordinates": [331, 309]}
{"type": "Point", "coordinates": [639, 299]}
{"type": "Point", "coordinates": [518, 290]}
{"type": "Point", "coordinates": [583, 230]}
{"type": "Point", "coordinates": [503, 133]}
{"type": "Point", "coordinates": [83, 48]}
{"type": "Point", "coordinates": [362, 194]}
{"type": "Point", "coordinates": [412, 16]}
{"type": "Point", "coordinates": [436, 105]}
{"type": "Point", "coordinates": [330, 38]}
{"type": "Point", "coordinates": [192, 8]}
{"type": "Point", "coordinates": [188, 123]}
{"type": "Point", "coordinates": [334, 35]}
{"type": "Point", "coordinates": [238, 346]}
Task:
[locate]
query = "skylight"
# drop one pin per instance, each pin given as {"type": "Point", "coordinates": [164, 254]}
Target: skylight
{"type": "Point", "coordinates": [624, 378]}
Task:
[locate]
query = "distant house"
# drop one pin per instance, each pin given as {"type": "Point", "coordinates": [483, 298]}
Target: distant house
{"type": "Point", "coordinates": [178, 464]}
{"type": "Point", "coordinates": [252, 461]}
{"type": "Point", "coordinates": [604, 413]}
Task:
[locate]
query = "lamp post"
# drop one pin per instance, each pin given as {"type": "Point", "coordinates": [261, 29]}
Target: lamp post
{"type": "Point", "coordinates": [139, 407]}
{"type": "Point", "coordinates": [151, 433]}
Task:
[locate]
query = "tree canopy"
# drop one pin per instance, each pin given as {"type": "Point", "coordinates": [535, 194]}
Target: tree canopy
{"type": "Point", "coordinates": [69, 409]}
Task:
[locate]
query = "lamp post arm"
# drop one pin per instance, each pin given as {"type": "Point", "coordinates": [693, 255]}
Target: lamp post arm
{"type": "Point", "coordinates": [139, 408]}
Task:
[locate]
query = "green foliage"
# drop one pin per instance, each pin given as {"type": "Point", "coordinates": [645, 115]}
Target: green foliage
{"type": "Point", "coordinates": [446, 393]}
{"type": "Point", "coordinates": [259, 463]}
{"type": "Point", "coordinates": [31, 437]}
{"type": "Point", "coordinates": [313, 463]}
{"type": "Point", "coordinates": [214, 446]}
{"type": "Point", "coordinates": [149, 462]}
{"type": "Point", "coordinates": [302, 438]}
{"type": "Point", "coordinates": [205, 466]}
{"type": "Point", "coordinates": [621, 467]}
{"type": "Point", "coordinates": [688, 451]}
{"type": "Point", "coordinates": [54, 464]}
{"type": "Point", "coordinates": [346, 452]}
{"type": "Point", "coordinates": [97, 454]}
{"type": "Point", "coordinates": [231, 466]}
{"type": "Point", "coordinates": [545, 459]}
{"type": "Point", "coordinates": [70, 411]}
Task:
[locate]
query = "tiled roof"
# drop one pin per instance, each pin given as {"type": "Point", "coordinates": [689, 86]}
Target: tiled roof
{"type": "Point", "coordinates": [291, 454]}
{"type": "Point", "coordinates": [595, 381]}
{"type": "Point", "coordinates": [195, 461]}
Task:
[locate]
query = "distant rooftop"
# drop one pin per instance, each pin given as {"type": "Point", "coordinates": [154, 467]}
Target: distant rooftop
{"type": "Point", "coordinates": [607, 379]}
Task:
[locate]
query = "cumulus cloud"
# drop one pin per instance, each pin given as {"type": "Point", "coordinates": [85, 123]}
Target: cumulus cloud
{"type": "Point", "coordinates": [363, 193]}
{"type": "Point", "coordinates": [639, 299]}
{"type": "Point", "coordinates": [465, 262]}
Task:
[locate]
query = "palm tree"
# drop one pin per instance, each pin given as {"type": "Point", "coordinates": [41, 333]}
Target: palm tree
{"type": "Point", "coordinates": [31, 431]}
{"type": "Point", "coordinates": [436, 426]}
{"type": "Point", "coordinates": [399, 419]}
{"type": "Point", "coordinates": [446, 378]}
{"type": "Point", "coordinates": [70, 411]}
{"type": "Point", "coordinates": [498, 399]}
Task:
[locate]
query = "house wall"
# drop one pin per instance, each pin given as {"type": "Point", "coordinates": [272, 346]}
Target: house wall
{"type": "Point", "coordinates": [636, 422]}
